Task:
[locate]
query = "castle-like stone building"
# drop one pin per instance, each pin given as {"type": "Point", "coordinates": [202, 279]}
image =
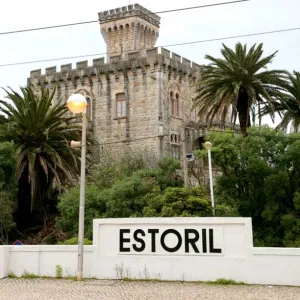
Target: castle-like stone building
{"type": "Point", "coordinates": [141, 97]}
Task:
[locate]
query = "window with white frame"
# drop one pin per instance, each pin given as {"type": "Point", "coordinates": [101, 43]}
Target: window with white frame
{"type": "Point", "coordinates": [121, 105]}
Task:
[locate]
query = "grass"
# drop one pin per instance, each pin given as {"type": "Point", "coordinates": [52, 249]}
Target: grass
{"type": "Point", "coordinates": [27, 275]}
{"type": "Point", "coordinates": [59, 271]}
{"type": "Point", "coordinates": [12, 275]}
{"type": "Point", "coordinates": [224, 281]}
{"type": "Point", "coordinates": [219, 281]}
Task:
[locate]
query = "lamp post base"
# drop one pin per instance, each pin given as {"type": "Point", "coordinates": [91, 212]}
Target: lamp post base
{"type": "Point", "coordinates": [79, 276]}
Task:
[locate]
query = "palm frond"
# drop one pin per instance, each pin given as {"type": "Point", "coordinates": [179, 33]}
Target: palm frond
{"type": "Point", "coordinates": [241, 75]}
{"type": "Point", "coordinates": [41, 132]}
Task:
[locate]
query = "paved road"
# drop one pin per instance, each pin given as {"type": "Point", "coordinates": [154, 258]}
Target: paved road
{"type": "Point", "coordinates": [47, 289]}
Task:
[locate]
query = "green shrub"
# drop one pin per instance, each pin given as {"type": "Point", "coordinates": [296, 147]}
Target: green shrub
{"type": "Point", "coordinates": [95, 208]}
{"type": "Point", "coordinates": [59, 271]}
{"type": "Point", "coordinates": [179, 202]}
{"type": "Point", "coordinates": [74, 241]}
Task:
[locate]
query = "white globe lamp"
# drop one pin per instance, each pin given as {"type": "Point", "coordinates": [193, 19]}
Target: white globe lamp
{"type": "Point", "coordinates": [207, 145]}
{"type": "Point", "coordinates": [77, 104]}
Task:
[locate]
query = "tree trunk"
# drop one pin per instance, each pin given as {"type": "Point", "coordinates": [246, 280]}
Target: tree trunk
{"type": "Point", "coordinates": [24, 203]}
{"type": "Point", "coordinates": [243, 108]}
{"type": "Point", "coordinates": [26, 217]}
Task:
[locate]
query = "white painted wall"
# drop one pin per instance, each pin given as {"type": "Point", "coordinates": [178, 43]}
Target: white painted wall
{"type": "Point", "coordinates": [41, 260]}
{"type": "Point", "coordinates": [239, 260]}
{"type": "Point", "coordinates": [4, 257]}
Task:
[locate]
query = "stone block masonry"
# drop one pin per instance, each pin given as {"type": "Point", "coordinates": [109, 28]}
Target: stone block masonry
{"type": "Point", "coordinates": [141, 96]}
{"type": "Point", "coordinates": [145, 79]}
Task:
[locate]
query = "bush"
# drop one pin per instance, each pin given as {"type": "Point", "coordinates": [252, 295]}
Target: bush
{"type": "Point", "coordinates": [145, 193]}
{"type": "Point", "coordinates": [6, 217]}
{"type": "Point", "coordinates": [261, 179]}
{"type": "Point", "coordinates": [179, 202]}
{"type": "Point", "coordinates": [74, 241]}
{"type": "Point", "coordinates": [95, 208]}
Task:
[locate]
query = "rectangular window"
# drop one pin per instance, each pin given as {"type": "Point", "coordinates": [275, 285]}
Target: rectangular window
{"type": "Point", "coordinates": [121, 106]}
{"type": "Point", "coordinates": [175, 151]}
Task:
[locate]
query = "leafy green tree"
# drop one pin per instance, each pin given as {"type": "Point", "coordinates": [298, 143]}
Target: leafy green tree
{"type": "Point", "coordinates": [95, 208]}
{"type": "Point", "coordinates": [41, 133]}
{"type": "Point", "coordinates": [6, 216]}
{"type": "Point", "coordinates": [123, 197]}
{"type": "Point", "coordinates": [111, 167]}
{"type": "Point", "coordinates": [182, 202]}
{"type": "Point", "coordinates": [8, 161]}
{"type": "Point", "coordinates": [261, 178]}
{"type": "Point", "coordinates": [238, 80]}
{"type": "Point", "coordinates": [8, 190]}
{"type": "Point", "coordinates": [145, 193]}
{"type": "Point", "coordinates": [176, 202]}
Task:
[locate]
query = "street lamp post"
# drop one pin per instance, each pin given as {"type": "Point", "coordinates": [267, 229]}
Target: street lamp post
{"type": "Point", "coordinates": [208, 146]}
{"type": "Point", "coordinates": [77, 104]}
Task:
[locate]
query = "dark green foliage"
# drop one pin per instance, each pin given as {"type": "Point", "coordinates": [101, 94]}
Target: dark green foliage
{"type": "Point", "coordinates": [74, 241]}
{"type": "Point", "coordinates": [176, 202]}
{"type": "Point", "coordinates": [8, 190]}
{"type": "Point", "coordinates": [167, 173]}
{"type": "Point", "coordinates": [8, 160]}
{"type": "Point", "coordinates": [68, 206]}
{"type": "Point", "coordinates": [261, 177]}
{"type": "Point", "coordinates": [145, 193]}
{"type": "Point", "coordinates": [125, 196]}
{"type": "Point", "coordinates": [6, 217]}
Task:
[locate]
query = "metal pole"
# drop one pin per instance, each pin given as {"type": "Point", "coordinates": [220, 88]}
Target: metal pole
{"type": "Point", "coordinates": [211, 181]}
{"type": "Point", "coordinates": [185, 165]}
{"type": "Point", "coordinates": [82, 200]}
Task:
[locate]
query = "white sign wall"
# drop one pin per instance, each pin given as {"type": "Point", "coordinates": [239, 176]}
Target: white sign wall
{"type": "Point", "coordinates": [170, 248]}
{"type": "Point", "coordinates": [187, 249]}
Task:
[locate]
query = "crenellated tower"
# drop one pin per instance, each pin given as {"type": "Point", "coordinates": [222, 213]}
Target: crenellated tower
{"type": "Point", "coordinates": [141, 98]}
{"type": "Point", "coordinates": [128, 29]}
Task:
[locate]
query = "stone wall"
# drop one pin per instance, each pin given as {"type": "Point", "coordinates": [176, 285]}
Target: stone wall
{"type": "Point", "coordinates": [146, 79]}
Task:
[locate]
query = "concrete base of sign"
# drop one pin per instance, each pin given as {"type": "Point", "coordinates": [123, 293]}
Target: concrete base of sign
{"type": "Point", "coordinates": [189, 249]}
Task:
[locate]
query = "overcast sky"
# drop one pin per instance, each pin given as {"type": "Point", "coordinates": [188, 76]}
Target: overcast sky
{"type": "Point", "coordinates": [191, 25]}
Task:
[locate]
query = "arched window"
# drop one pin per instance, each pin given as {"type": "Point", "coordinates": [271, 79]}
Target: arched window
{"type": "Point", "coordinates": [175, 102]}
{"type": "Point", "coordinates": [89, 108]}
{"type": "Point", "coordinates": [177, 105]}
{"type": "Point", "coordinates": [172, 100]}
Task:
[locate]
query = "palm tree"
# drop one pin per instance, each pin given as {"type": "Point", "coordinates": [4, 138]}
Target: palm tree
{"type": "Point", "coordinates": [238, 81]}
{"type": "Point", "coordinates": [288, 106]}
{"type": "Point", "coordinates": [41, 132]}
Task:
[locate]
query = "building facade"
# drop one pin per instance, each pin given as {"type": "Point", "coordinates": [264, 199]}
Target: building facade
{"type": "Point", "coordinates": [141, 97]}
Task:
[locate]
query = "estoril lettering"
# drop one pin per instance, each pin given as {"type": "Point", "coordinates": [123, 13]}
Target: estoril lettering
{"type": "Point", "coordinates": [169, 240]}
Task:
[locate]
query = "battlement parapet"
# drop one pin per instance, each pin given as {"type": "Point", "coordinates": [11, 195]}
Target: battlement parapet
{"type": "Point", "coordinates": [180, 59]}
{"type": "Point", "coordinates": [136, 59]}
{"type": "Point", "coordinates": [134, 10]}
